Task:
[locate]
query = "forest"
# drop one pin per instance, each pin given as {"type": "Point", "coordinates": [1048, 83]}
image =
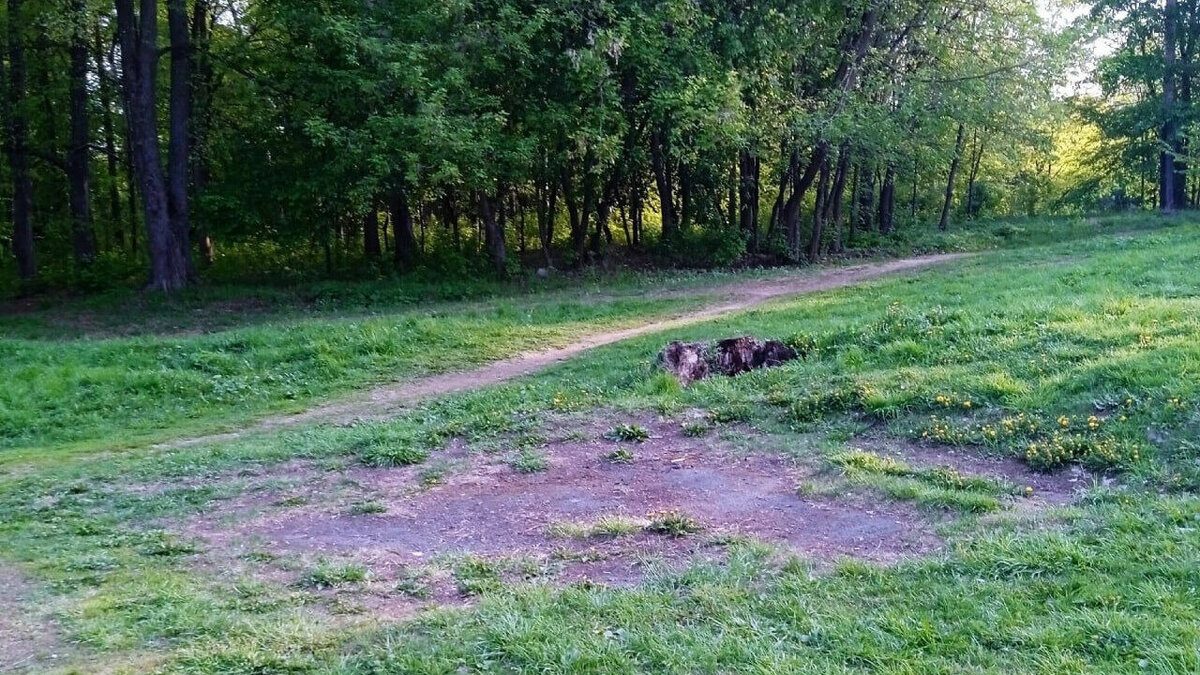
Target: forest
{"type": "Point", "coordinates": [157, 145]}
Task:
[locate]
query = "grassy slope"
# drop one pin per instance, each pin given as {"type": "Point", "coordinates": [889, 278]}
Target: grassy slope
{"type": "Point", "coordinates": [118, 369]}
{"type": "Point", "coordinates": [121, 390]}
{"type": "Point", "coordinates": [1102, 327]}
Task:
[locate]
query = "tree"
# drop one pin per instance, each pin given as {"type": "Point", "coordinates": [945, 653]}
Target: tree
{"type": "Point", "coordinates": [18, 147]}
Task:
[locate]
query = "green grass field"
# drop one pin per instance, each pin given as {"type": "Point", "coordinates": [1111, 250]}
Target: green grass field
{"type": "Point", "coordinates": [1075, 357]}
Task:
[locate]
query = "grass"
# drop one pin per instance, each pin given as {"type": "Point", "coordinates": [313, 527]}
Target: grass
{"type": "Point", "coordinates": [333, 575]}
{"type": "Point", "coordinates": [939, 487]}
{"type": "Point", "coordinates": [629, 433]}
{"type": "Point", "coordinates": [1096, 328]}
{"type": "Point", "coordinates": [119, 391]}
{"type": "Point", "coordinates": [601, 528]}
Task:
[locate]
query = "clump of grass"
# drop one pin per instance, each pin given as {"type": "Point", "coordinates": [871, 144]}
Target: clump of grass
{"type": "Point", "coordinates": [628, 433]}
{"type": "Point", "coordinates": [673, 523]}
{"type": "Point", "coordinates": [939, 487]}
{"type": "Point", "coordinates": [604, 527]}
{"type": "Point", "coordinates": [433, 475]}
{"type": "Point", "coordinates": [415, 584]}
{"type": "Point", "coordinates": [730, 414]}
{"type": "Point", "coordinates": [620, 456]}
{"type": "Point", "coordinates": [695, 429]}
{"type": "Point", "coordinates": [392, 455]}
{"type": "Point", "coordinates": [334, 575]}
{"type": "Point", "coordinates": [529, 461]}
{"type": "Point", "coordinates": [475, 576]}
{"type": "Point", "coordinates": [165, 545]}
{"type": "Point", "coordinates": [368, 508]}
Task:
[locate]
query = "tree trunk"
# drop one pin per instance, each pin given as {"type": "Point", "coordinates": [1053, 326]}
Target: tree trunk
{"type": "Point", "coordinates": [660, 158]}
{"type": "Point", "coordinates": [547, 198]}
{"type": "Point", "coordinates": [750, 169]}
{"type": "Point", "coordinates": [1169, 135]}
{"type": "Point", "coordinates": [405, 243]}
{"type": "Point", "coordinates": [887, 201]}
{"type": "Point", "coordinates": [493, 232]}
{"type": "Point", "coordinates": [138, 36]}
{"type": "Point", "coordinates": [78, 151]}
{"type": "Point", "coordinates": [104, 76]}
{"type": "Point", "coordinates": [371, 233]}
{"type": "Point", "coordinates": [800, 184]}
{"type": "Point", "coordinates": [818, 221]}
{"type": "Point", "coordinates": [179, 124]}
{"type": "Point", "coordinates": [18, 151]}
{"type": "Point", "coordinates": [977, 158]}
{"type": "Point", "coordinates": [834, 206]}
{"type": "Point", "coordinates": [944, 222]}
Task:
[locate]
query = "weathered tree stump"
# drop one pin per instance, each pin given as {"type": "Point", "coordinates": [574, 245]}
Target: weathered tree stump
{"type": "Point", "coordinates": [692, 361]}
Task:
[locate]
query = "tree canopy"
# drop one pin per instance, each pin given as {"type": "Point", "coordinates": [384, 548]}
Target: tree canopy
{"type": "Point", "coordinates": [165, 140]}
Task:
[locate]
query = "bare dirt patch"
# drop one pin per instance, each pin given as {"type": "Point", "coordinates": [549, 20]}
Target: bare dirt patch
{"type": "Point", "coordinates": [28, 642]}
{"type": "Point", "coordinates": [487, 510]}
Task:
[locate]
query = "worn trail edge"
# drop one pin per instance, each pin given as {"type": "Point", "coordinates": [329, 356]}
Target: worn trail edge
{"type": "Point", "coordinates": [382, 402]}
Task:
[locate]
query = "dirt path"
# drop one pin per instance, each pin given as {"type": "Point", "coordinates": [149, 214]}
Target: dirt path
{"type": "Point", "coordinates": [382, 402]}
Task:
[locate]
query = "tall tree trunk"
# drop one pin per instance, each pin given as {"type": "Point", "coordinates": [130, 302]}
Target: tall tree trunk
{"type": "Point", "coordinates": [104, 75]}
{"type": "Point", "coordinates": [944, 221]}
{"type": "Point", "coordinates": [800, 184]}
{"type": "Point", "coordinates": [818, 221]}
{"type": "Point", "coordinates": [834, 206]}
{"type": "Point", "coordinates": [660, 159]}
{"type": "Point", "coordinates": [855, 199]}
{"type": "Point", "coordinates": [200, 112]}
{"type": "Point", "coordinates": [1169, 136]}
{"type": "Point", "coordinates": [547, 198]}
{"type": "Point", "coordinates": [750, 170]}
{"type": "Point", "coordinates": [78, 151]}
{"type": "Point", "coordinates": [402, 230]}
{"type": "Point", "coordinates": [18, 151]}
{"type": "Point", "coordinates": [371, 233]}
{"type": "Point", "coordinates": [138, 35]}
{"type": "Point", "coordinates": [180, 127]}
{"type": "Point", "coordinates": [493, 231]}
{"type": "Point", "coordinates": [887, 201]}
{"type": "Point", "coordinates": [973, 204]}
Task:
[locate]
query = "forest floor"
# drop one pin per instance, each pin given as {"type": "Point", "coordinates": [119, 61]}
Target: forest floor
{"type": "Point", "coordinates": [988, 465]}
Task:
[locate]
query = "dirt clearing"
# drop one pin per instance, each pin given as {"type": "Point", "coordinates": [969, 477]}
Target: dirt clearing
{"type": "Point", "coordinates": [590, 516]}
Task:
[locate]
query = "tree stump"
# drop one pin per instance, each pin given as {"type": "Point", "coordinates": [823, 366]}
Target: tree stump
{"type": "Point", "coordinates": [692, 361]}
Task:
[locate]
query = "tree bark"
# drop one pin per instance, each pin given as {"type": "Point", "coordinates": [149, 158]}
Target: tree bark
{"type": "Point", "coordinates": [180, 123]}
{"type": "Point", "coordinates": [137, 33]}
{"type": "Point", "coordinates": [78, 151]}
{"type": "Point", "coordinates": [834, 205]}
{"type": "Point", "coordinates": [750, 170]}
{"type": "Point", "coordinates": [18, 151]}
{"type": "Point", "coordinates": [818, 221]}
{"type": "Point", "coordinates": [371, 233]}
{"type": "Point", "coordinates": [944, 222]}
{"type": "Point", "coordinates": [977, 158]}
{"type": "Point", "coordinates": [104, 76]}
{"type": "Point", "coordinates": [1169, 134]}
{"type": "Point", "coordinates": [887, 201]}
{"type": "Point", "coordinates": [660, 157]}
{"type": "Point", "coordinates": [493, 232]}
{"type": "Point", "coordinates": [405, 243]}
{"type": "Point", "coordinates": [800, 184]}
